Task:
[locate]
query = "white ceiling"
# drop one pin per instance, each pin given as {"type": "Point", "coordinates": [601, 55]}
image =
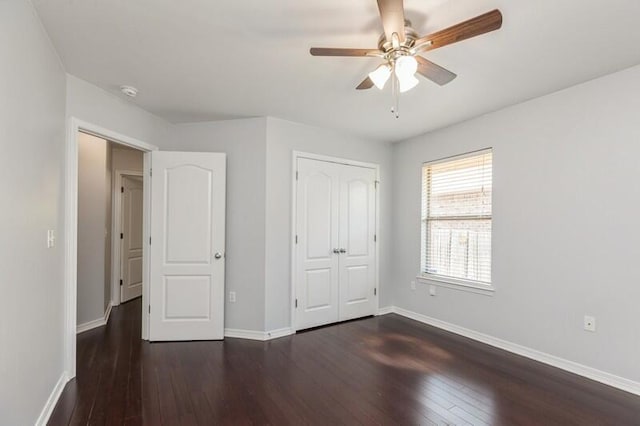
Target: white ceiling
{"type": "Point", "coordinates": [199, 60]}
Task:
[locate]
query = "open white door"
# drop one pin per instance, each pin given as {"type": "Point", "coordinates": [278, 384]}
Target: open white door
{"type": "Point", "coordinates": [187, 246]}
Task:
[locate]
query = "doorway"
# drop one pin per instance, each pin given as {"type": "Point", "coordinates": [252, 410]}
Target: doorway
{"type": "Point", "coordinates": [110, 220]}
{"type": "Point", "coordinates": [335, 253]}
{"type": "Point", "coordinates": [75, 130]}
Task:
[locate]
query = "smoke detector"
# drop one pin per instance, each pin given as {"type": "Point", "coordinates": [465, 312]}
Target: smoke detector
{"type": "Point", "coordinates": [130, 91]}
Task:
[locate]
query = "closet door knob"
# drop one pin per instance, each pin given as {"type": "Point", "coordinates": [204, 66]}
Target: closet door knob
{"type": "Point", "coordinates": [342, 250]}
{"type": "Point", "coordinates": [336, 251]}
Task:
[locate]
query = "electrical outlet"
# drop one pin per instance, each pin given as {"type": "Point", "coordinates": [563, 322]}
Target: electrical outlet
{"type": "Point", "coordinates": [232, 296]}
{"type": "Point", "coordinates": [432, 290]}
{"type": "Point", "coordinates": [589, 323]}
{"type": "Point", "coordinates": [413, 285]}
{"type": "Point", "coordinates": [51, 238]}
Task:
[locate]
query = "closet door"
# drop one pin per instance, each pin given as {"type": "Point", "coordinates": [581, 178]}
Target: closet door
{"type": "Point", "coordinates": [316, 272]}
{"type": "Point", "coordinates": [357, 228]}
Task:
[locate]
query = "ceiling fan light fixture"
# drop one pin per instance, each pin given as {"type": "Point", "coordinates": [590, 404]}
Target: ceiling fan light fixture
{"type": "Point", "coordinates": [380, 75]}
{"type": "Point", "coordinates": [406, 66]}
{"type": "Point", "coordinates": [407, 83]}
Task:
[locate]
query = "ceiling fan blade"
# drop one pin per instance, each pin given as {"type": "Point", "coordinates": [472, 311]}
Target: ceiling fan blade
{"type": "Point", "coordinates": [482, 24]}
{"type": "Point", "coordinates": [392, 15]}
{"type": "Point", "coordinates": [331, 51]}
{"type": "Point", "coordinates": [367, 83]}
{"type": "Point", "coordinates": [434, 72]}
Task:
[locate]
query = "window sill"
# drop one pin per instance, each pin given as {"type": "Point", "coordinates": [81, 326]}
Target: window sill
{"type": "Point", "coordinates": [457, 284]}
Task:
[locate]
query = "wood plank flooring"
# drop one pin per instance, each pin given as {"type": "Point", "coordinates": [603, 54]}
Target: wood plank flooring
{"type": "Point", "coordinates": [383, 370]}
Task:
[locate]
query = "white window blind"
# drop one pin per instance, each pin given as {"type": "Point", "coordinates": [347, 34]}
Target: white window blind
{"type": "Point", "coordinates": [456, 217]}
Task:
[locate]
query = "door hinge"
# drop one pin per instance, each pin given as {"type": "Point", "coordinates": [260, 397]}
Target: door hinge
{"type": "Point", "coordinates": [149, 308]}
{"type": "Point", "coordinates": [120, 282]}
{"type": "Point", "coordinates": [296, 175]}
{"type": "Point", "coordinates": [296, 303]}
{"type": "Point", "coordinates": [375, 291]}
{"type": "Point", "coordinates": [375, 238]}
{"type": "Point", "coordinates": [149, 240]}
{"type": "Point", "coordinates": [150, 172]}
{"type": "Point", "coordinates": [121, 235]}
{"type": "Point", "coordinates": [296, 239]}
{"type": "Point", "coordinates": [122, 189]}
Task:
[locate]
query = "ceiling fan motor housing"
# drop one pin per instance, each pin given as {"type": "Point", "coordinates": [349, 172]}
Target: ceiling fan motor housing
{"type": "Point", "coordinates": [387, 46]}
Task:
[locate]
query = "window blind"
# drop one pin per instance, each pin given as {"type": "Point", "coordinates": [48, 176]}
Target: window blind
{"type": "Point", "coordinates": [456, 217]}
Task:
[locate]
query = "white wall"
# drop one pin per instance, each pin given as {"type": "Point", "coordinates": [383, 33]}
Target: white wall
{"type": "Point", "coordinates": [126, 159]}
{"type": "Point", "coordinates": [244, 143]}
{"type": "Point", "coordinates": [32, 104]}
{"type": "Point", "coordinates": [284, 137]}
{"type": "Point", "coordinates": [93, 189]}
{"type": "Point", "coordinates": [566, 202]}
{"type": "Point", "coordinates": [94, 105]}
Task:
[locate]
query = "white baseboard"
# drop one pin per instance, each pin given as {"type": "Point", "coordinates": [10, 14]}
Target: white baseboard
{"type": "Point", "coordinates": [552, 360]}
{"type": "Point", "coordinates": [280, 332]}
{"type": "Point", "coordinates": [47, 410]}
{"type": "Point", "coordinates": [81, 328]}
{"type": "Point", "coordinates": [386, 310]}
{"type": "Point", "coordinates": [107, 312]}
{"type": "Point", "coordinates": [257, 335]}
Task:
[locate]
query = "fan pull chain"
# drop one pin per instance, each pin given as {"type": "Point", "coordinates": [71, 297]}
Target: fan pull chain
{"type": "Point", "coordinates": [395, 93]}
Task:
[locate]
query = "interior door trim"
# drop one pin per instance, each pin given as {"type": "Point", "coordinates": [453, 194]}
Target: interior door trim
{"type": "Point", "coordinates": [76, 125]}
{"type": "Point", "coordinates": [295, 155]}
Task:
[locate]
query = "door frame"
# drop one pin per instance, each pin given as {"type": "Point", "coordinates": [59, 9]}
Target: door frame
{"type": "Point", "coordinates": [295, 155]}
{"type": "Point", "coordinates": [75, 126]}
{"type": "Point", "coordinates": [116, 226]}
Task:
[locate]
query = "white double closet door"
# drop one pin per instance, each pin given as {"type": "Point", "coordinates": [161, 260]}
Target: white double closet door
{"type": "Point", "coordinates": [335, 253]}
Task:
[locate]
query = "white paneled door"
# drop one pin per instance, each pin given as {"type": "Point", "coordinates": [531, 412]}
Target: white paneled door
{"type": "Point", "coordinates": [187, 246]}
{"type": "Point", "coordinates": [131, 238]}
{"type": "Point", "coordinates": [335, 272]}
{"type": "Point", "coordinates": [357, 259]}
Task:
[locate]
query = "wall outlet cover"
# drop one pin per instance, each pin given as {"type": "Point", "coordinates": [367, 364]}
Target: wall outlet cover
{"type": "Point", "coordinates": [589, 323]}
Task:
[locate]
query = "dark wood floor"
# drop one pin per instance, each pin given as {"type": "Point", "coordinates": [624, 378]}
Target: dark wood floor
{"type": "Point", "coordinates": [383, 370]}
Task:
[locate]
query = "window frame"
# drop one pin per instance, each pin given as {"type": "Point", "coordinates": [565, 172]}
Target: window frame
{"type": "Point", "coordinates": [473, 286]}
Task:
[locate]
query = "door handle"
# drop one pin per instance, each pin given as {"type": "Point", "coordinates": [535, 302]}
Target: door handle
{"type": "Point", "coordinates": [336, 251]}
{"type": "Point", "coordinates": [218, 255]}
{"type": "Point", "coordinates": [342, 250]}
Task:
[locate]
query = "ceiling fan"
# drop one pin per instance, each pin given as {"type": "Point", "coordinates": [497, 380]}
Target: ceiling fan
{"type": "Point", "coordinates": [400, 45]}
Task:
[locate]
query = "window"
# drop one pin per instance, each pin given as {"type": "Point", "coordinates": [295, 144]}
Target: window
{"type": "Point", "coordinates": [456, 218]}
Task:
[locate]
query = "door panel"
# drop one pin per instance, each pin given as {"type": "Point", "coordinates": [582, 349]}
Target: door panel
{"type": "Point", "coordinates": [187, 250]}
{"type": "Point", "coordinates": [319, 289]}
{"type": "Point", "coordinates": [188, 231]}
{"type": "Point", "coordinates": [131, 242]}
{"type": "Point", "coordinates": [318, 215]}
{"type": "Point", "coordinates": [316, 264]}
{"type": "Point", "coordinates": [357, 233]}
{"type": "Point", "coordinates": [357, 284]}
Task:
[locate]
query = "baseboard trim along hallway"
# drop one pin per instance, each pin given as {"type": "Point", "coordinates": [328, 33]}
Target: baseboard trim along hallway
{"type": "Point", "coordinates": [81, 328]}
{"type": "Point", "coordinates": [45, 414]}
